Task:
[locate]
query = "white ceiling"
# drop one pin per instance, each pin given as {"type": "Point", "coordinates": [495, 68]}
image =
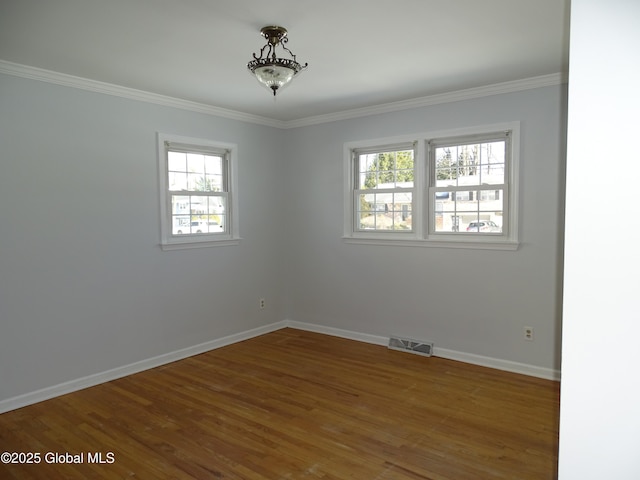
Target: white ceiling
{"type": "Point", "coordinates": [360, 52]}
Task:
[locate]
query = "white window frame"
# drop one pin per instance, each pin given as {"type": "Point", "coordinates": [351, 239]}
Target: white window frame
{"type": "Point", "coordinates": [423, 214]}
{"type": "Point", "coordinates": [355, 154]}
{"type": "Point", "coordinates": [169, 241]}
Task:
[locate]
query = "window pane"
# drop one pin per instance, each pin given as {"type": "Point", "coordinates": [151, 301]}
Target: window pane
{"type": "Point", "coordinates": [447, 222]}
{"type": "Point", "coordinates": [180, 205]}
{"type": "Point", "coordinates": [177, 162]}
{"type": "Point", "coordinates": [491, 194]}
{"type": "Point", "coordinates": [386, 179]}
{"type": "Point", "coordinates": [196, 182]}
{"type": "Point", "coordinates": [181, 224]}
{"type": "Point", "coordinates": [177, 181]}
{"type": "Point", "coordinates": [219, 224]}
{"type": "Point", "coordinates": [215, 215]}
{"type": "Point", "coordinates": [404, 178]}
{"type": "Point", "coordinates": [180, 218]}
{"type": "Point", "coordinates": [386, 170]}
{"type": "Point", "coordinates": [473, 211]}
{"type": "Point", "coordinates": [213, 183]}
{"type": "Point", "coordinates": [445, 171]}
{"type": "Point", "coordinates": [385, 211]}
{"type": "Point", "coordinates": [475, 164]}
{"type": "Point", "coordinates": [195, 163]}
{"type": "Point", "coordinates": [216, 205]}
{"type": "Point", "coordinates": [367, 164]}
{"type": "Point", "coordinates": [492, 162]}
{"type": "Point", "coordinates": [199, 204]}
{"type": "Point", "coordinates": [214, 225]}
{"type": "Point", "coordinates": [199, 224]}
{"type": "Point", "coordinates": [213, 165]}
{"type": "Point", "coordinates": [491, 205]}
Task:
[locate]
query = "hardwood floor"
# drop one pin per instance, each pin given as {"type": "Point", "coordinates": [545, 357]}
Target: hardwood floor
{"type": "Point", "coordinates": [296, 405]}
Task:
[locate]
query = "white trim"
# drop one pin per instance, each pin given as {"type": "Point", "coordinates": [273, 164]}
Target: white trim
{"type": "Point", "coordinates": [497, 363]}
{"type": "Point", "coordinates": [119, 372]}
{"type": "Point", "coordinates": [456, 96]}
{"type": "Point", "coordinates": [454, 243]}
{"type": "Point", "coordinates": [167, 247]}
{"type": "Point", "coordinates": [480, 360]}
{"type": "Point", "coordinates": [34, 73]}
{"type": "Point", "coordinates": [338, 332]}
{"type": "Point", "coordinates": [56, 78]}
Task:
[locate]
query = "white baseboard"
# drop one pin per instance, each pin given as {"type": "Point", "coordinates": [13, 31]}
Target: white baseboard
{"type": "Point", "coordinates": [499, 364]}
{"type": "Point", "coordinates": [98, 378]}
{"type": "Point", "coordinates": [338, 332]}
{"type": "Point", "coordinates": [506, 365]}
{"type": "Point", "coordinates": [119, 372]}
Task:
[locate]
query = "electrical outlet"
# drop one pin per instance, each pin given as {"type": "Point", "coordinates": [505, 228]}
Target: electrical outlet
{"type": "Point", "coordinates": [528, 333]}
{"type": "Point", "coordinates": [262, 303]}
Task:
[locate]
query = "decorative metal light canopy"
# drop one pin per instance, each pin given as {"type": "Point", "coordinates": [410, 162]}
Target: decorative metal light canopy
{"type": "Point", "coordinates": [271, 71]}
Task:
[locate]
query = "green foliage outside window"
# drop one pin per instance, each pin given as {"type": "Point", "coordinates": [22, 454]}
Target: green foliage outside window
{"type": "Point", "coordinates": [390, 167]}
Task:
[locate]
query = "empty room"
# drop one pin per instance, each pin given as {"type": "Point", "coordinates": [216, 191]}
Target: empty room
{"type": "Point", "coordinates": [335, 240]}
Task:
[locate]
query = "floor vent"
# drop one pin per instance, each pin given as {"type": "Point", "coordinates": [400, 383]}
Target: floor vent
{"type": "Point", "coordinates": [411, 346]}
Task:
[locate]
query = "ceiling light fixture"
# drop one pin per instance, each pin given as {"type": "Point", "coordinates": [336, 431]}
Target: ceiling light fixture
{"type": "Point", "coordinates": [271, 71]}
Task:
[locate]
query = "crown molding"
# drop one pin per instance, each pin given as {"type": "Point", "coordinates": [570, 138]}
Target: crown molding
{"type": "Point", "coordinates": [456, 96]}
{"type": "Point", "coordinates": [63, 79]}
{"type": "Point", "coordinates": [57, 78]}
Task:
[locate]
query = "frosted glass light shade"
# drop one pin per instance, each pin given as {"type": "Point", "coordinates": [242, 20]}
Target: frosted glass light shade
{"type": "Point", "coordinates": [274, 77]}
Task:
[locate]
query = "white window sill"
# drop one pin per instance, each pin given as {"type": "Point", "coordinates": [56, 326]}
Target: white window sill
{"type": "Point", "coordinates": [189, 244]}
{"type": "Point", "coordinates": [477, 244]}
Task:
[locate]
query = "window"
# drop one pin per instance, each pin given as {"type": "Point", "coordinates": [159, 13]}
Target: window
{"type": "Point", "coordinates": [384, 190]}
{"type": "Point", "coordinates": [468, 185]}
{"type": "Point", "coordinates": [197, 202]}
{"type": "Point", "coordinates": [453, 189]}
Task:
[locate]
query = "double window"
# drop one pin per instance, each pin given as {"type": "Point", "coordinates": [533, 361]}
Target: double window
{"type": "Point", "coordinates": [197, 192]}
{"type": "Point", "coordinates": [454, 189]}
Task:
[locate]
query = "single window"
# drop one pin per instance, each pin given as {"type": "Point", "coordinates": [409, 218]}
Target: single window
{"type": "Point", "coordinates": [384, 188]}
{"type": "Point", "coordinates": [197, 193]}
{"type": "Point", "coordinates": [469, 185]}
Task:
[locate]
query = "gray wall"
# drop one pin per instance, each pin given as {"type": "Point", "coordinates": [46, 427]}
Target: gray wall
{"type": "Point", "coordinates": [472, 301]}
{"type": "Point", "coordinates": [85, 288]}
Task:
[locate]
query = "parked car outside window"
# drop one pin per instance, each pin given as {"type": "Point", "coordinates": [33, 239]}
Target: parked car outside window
{"type": "Point", "coordinates": [483, 226]}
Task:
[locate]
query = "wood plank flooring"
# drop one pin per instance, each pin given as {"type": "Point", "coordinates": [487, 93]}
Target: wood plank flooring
{"type": "Point", "coordinates": [296, 405]}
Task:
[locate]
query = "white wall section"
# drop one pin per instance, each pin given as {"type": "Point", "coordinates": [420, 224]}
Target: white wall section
{"type": "Point", "coordinates": [600, 409]}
